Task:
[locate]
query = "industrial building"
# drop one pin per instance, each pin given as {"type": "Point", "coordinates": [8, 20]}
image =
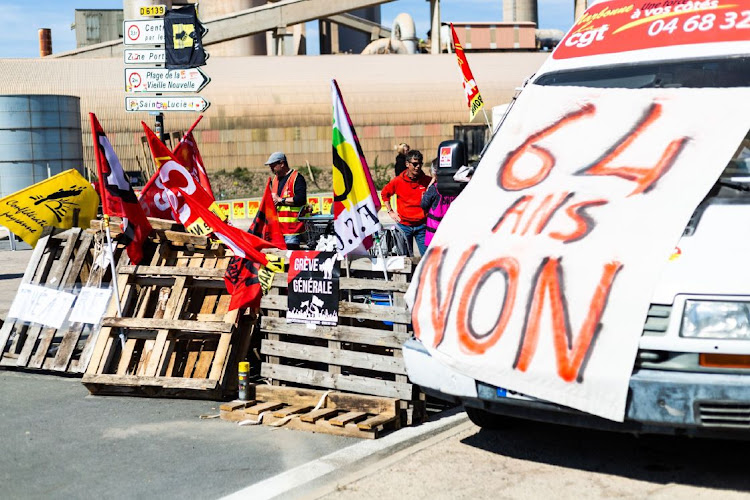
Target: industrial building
{"type": "Point", "coordinates": [261, 104]}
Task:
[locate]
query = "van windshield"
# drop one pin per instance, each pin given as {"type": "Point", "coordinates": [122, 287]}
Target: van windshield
{"type": "Point", "coordinates": [703, 73]}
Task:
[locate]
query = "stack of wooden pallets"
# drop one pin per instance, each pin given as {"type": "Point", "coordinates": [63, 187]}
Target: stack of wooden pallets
{"type": "Point", "coordinates": [61, 260]}
{"type": "Point", "coordinates": [362, 354]}
{"type": "Point", "coordinates": [175, 336]}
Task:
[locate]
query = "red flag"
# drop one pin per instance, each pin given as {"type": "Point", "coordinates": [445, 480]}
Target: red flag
{"type": "Point", "coordinates": [189, 156]}
{"type": "Point", "coordinates": [243, 244]}
{"type": "Point", "coordinates": [173, 178]}
{"type": "Point", "coordinates": [153, 197]}
{"type": "Point", "coordinates": [470, 85]}
{"type": "Point", "coordinates": [247, 269]}
{"type": "Point", "coordinates": [117, 194]}
{"type": "Point", "coordinates": [242, 279]}
{"type": "Point", "coordinates": [266, 223]}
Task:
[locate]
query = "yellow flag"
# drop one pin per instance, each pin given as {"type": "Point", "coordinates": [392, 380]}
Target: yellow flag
{"type": "Point", "coordinates": [51, 202]}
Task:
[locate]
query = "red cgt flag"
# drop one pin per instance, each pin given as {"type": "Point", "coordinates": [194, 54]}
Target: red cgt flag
{"type": "Point", "coordinates": [247, 269]}
{"type": "Point", "coordinates": [189, 156]}
{"type": "Point", "coordinates": [471, 89]}
{"type": "Point", "coordinates": [174, 179]}
{"type": "Point", "coordinates": [118, 197]}
{"type": "Point", "coordinates": [266, 223]}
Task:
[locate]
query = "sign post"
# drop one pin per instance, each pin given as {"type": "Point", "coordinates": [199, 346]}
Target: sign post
{"type": "Point", "coordinates": [147, 43]}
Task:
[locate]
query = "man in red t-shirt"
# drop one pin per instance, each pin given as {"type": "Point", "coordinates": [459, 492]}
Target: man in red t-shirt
{"type": "Point", "coordinates": [409, 187]}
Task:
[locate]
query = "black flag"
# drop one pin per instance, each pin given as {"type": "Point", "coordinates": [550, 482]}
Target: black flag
{"type": "Point", "coordinates": [183, 34]}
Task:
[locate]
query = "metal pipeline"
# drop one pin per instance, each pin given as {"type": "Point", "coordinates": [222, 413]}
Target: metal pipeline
{"type": "Point", "coordinates": [403, 38]}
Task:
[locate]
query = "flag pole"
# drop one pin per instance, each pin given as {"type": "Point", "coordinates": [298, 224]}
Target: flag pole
{"type": "Point", "coordinates": [487, 120]}
{"type": "Point", "coordinates": [114, 275]}
{"type": "Point", "coordinates": [385, 266]}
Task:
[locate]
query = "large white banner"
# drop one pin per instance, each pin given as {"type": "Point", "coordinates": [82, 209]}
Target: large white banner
{"type": "Point", "coordinates": [539, 277]}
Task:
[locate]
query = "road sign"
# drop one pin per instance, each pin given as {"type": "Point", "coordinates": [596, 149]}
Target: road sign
{"type": "Point", "coordinates": [143, 31]}
{"type": "Point", "coordinates": [187, 103]}
{"type": "Point", "coordinates": [164, 80]}
{"type": "Point", "coordinates": [144, 56]}
{"type": "Point", "coordinates": [153, 10]}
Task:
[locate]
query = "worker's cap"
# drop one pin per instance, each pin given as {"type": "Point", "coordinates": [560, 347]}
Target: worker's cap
{"type": "Point", "coordinates": [275, 157]}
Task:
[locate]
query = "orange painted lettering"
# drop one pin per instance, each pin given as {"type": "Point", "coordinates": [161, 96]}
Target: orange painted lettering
{"type": "Point", "coordinates": [440, 306]}
{"type": "Point", "coordinates": [570, 356]}
{"type": "Point", "coordinates": [469, 340]}
{"type": "Point", "coordinates": [584, 223]}
{"type": "Point", "coordinates": [645, 178]}
{"type": "Point", "coordinates": [507, 178]}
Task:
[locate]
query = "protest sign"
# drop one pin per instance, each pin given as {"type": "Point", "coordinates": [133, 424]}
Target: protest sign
{"type": "Point", "coordinates": [313, 288]}
{"type": "Point", "coordinates": [544, 288]}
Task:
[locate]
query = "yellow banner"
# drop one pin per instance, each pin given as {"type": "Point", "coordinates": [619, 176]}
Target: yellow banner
{"type": "Point", "coordinates": [224, 208]}
{"type": "Point", "coordinates": [314, 204]}
{"type": "Point", "coordinates": [327, 205]}
{"type": "Point", "coordinates": [238, 210]}
{"type": "Point", "coordinates": [252, 208]}
{"type": "Point", "coordinates": [51, 202]}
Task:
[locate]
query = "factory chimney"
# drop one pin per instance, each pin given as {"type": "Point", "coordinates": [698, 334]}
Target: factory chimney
{"type": "Point", "coordinates": [45, 42]}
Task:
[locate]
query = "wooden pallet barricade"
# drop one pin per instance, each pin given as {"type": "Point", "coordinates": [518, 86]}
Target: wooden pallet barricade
{"type": "Point", "coordinates": [361, 355]}
{"type": "Point", "coordinates": [179, 337]}
{"type": "Point", "coordinates": [61, 259]}
{"type": "Point", "coordinates": [327, 412]}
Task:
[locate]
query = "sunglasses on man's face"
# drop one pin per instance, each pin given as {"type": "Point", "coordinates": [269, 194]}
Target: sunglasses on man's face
{"type": "Point", "coordinates": [416, 163]}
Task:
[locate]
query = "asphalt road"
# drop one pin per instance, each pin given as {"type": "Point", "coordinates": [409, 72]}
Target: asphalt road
{"type": "Point", "coordinates": [56, 441]}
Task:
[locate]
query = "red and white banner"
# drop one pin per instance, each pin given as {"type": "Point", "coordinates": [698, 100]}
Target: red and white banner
{"type": "Point", "coordinates": [118, 197]}
{"type": "Point", "coordinates": [624, 25]}
{"type": "Point", "coordinates": [473, 97]}
{"type": "Point", "coordinates": [584, 197]}
{"type": "Point", "coordinates": [173, 178]}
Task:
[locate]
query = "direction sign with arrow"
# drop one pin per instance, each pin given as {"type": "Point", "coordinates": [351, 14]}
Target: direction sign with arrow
{"type": "Point", "coordinates": [164, 80]}
{"type": "Point", "coordinates": [187, 103]}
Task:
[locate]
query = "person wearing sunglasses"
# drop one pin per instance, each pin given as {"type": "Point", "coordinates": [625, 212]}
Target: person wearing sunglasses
{"type": "Point", "coordinates": [409, 187]}
{"type": "Point", "coordinates": [289, 193]}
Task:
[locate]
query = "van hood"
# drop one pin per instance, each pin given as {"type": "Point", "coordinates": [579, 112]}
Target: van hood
{"type": "Point", "coordinates": [714, 260]}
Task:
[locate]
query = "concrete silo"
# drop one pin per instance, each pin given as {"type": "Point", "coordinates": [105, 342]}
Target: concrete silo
{"type": "Point", "coordinates": [40, 135]}
{"type": "Point", "coordinates": [520, 11]}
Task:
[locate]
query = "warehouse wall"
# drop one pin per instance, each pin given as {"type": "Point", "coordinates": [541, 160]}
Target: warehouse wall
{"type": "Point", "coordinates": [265, 104]}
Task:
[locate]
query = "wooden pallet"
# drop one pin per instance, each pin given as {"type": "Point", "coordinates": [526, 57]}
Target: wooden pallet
{"type": "Point", "coordinates": [337, 413]}
{"type": "Point", "coordinates": [60, 260]}
{"type": "Point", "coordinates": [181, 340]}
{"type": "Point", "coordinates": [361, 355]}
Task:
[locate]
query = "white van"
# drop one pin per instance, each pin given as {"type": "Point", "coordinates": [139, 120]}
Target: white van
{"type": "Point", "coordinates": [692, 370]}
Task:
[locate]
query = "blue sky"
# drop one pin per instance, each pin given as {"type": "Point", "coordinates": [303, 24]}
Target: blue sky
{"type": "Point", "coordinates": [19, 36]}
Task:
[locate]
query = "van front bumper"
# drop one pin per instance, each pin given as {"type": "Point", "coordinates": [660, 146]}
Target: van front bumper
{"type": "Point", "coordinates": [664, 402]}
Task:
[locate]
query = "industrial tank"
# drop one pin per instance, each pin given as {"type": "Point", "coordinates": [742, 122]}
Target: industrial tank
{"type": "Point", "coordinates": [37, 132]}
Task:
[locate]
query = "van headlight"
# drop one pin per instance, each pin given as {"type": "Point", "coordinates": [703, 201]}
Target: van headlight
{"type": "Point", "coordinates": [712, 319]}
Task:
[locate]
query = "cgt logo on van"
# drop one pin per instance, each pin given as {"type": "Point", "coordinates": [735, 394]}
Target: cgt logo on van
{"type": "Point", "coordinates": [623, 26]}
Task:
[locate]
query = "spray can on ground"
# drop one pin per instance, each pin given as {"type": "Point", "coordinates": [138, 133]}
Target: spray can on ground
{"type": "Point", "coordinates": [244, 373]}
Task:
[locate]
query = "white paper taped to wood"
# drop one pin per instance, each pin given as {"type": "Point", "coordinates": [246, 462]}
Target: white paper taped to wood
{"type": "Point", "coordinates": [38, 304]}
{"type": "Point", "coordinates": [90, 305]}
{"type": "Point", "coordinates": [539, 278]}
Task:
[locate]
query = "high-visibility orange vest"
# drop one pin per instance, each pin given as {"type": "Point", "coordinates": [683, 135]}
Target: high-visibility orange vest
{"type": "Point", "coordinates": [288, 216]}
